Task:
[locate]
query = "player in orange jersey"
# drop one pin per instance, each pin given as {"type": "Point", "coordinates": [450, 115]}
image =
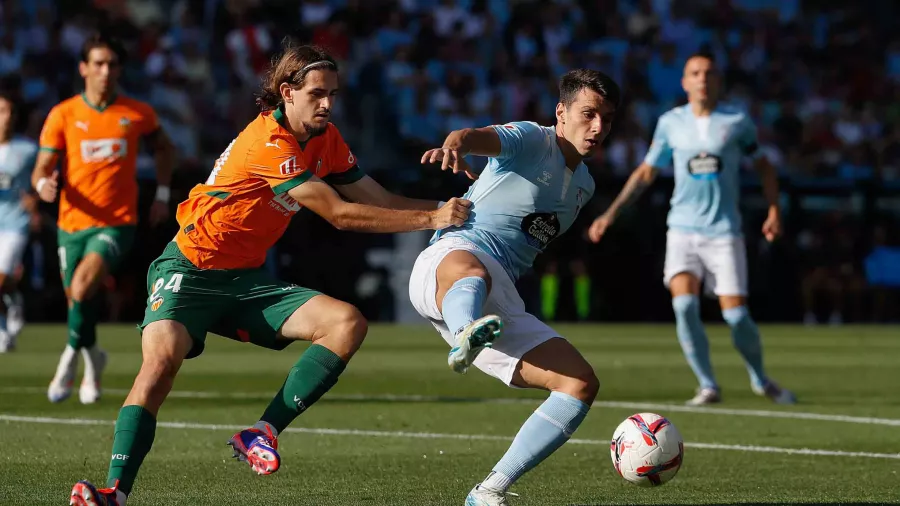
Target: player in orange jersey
{"type": "Point", "coordinates": [96, 136]}
{"type": "Point", "coordinates": [209, 278]}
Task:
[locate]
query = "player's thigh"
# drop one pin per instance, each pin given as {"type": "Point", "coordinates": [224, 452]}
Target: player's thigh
{"type": "Point", "coordinates": [456, 265]}
{"type": "Point", "coordinates": [70, 248]}
{"type": "Point", "coordinates": [194, 298]}
{"type": "Point", "coordinates": [426, 291]}
{"type": "Point", "coordinates": [272, 314]}
{"type": "Point", "coordinates": [683, 264]}
{"type": "Point", "coordinates": [164, 346]}
{"type": "Point", "coordinates": [557, 366]}
{"type": "Point", "coordinates": [112, 244]}
{"type": "Point", "coordinates": [725, 259]}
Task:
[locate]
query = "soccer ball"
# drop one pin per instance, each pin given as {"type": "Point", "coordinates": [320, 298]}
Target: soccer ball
{"type": "Point", "coordinates": [646, 449]}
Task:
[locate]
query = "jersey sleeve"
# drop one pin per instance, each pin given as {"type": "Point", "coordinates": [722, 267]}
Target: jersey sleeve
{"type": "Point", "coordinates": [747, 139]}
{"type": "Point", "coordinates": [278, 163]}
{"type": "Point", "coordinates": [519, 138]}
{"type": "Point", "coordinates": [343, 166]}
{"type": "Point", "coordinates": [149, 120]}
{"type": "Point", "coordinates": [53, 134]}
{"type": "Point", "coordinates": [660, 153]}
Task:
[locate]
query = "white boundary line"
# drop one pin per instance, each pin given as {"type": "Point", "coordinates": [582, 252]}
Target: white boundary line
{"type": "Point", "coordinates": [796, 415]}
{"type": "Point", "coordinates": [434, 435]}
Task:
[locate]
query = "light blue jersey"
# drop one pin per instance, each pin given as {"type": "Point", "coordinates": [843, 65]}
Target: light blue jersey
{"type": "Point", "coordinates": [524, 198]}
{"type": "Point", "coordinates": [17, 159]}
{"type": "Point", "coordinates": [707, 155]}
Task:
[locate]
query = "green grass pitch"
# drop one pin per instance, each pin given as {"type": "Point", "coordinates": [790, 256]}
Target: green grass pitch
{"type": "Point", "coordinates": [401, 429]}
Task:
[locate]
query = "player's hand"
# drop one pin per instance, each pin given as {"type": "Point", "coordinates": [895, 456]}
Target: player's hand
{"type": "Point", "coordinates": [49, 188]}
{"type": "Point", "coordinates": [771, 229]}
{"type": "Point", "coordinates": [452, 214]}
{"type": "Point", "coordinates": [159, 212]}
{"type": "Point", "coordinates": [450, 159]}
{"type": "Point", "coordinates": [599, 226]}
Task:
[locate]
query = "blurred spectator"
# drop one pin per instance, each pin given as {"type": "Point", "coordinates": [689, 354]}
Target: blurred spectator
{"type": "Point", "coordinates": [822, 82]}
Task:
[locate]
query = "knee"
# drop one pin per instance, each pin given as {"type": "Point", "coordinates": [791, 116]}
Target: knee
{"type": "Point", "coordinates": [459, 265]}
{"type": "Point", "coordinates": [685, 304]}
{"type": "Point", "coordinates": [583, 385]}
{"type": "Point", "coordinates": [78, 291]}
{"type": "Point", "coordinates": [349, 325]}
{"type": "Point", "coordinates": [735, 316]}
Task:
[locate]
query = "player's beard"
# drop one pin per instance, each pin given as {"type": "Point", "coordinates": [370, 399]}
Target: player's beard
{"type": "Point", "coordinates": [314, 130]}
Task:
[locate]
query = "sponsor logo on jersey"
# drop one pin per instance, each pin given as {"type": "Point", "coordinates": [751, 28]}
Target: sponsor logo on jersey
{"type": "Point", "coordinates": [705, 166]}
{"type": "Point", "coordinates": [103, 150]}
{"type": "Point", "coordinates": [540, 228]}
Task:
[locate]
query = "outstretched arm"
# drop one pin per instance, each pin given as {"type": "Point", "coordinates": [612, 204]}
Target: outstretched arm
{"type": "Point", "coordinates": [370, 192]}
{"type": "Point", "coordinates": [476, 141]}
{"type": "Point", "coordinates": [321, 199]}
{"type": "Point", "coordinates": [640, 180]}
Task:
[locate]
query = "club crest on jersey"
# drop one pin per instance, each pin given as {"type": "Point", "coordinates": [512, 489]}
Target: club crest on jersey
{"type": "Point", "coordinates": [156, 303]}
{"type": "Point", "coordinates": [289, 166]}
{"type": "Point", "coordinates": [704, 166]}
{"type": "Point", "coordinates": [125, 123]}
{"type": "Point", "coordinates": [540, 229]}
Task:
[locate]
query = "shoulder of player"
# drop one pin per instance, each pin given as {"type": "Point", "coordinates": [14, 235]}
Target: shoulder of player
{"type": "Point", "coordinates": [66, 107]}
{"type": "Point", "coordinates": [676, 113]}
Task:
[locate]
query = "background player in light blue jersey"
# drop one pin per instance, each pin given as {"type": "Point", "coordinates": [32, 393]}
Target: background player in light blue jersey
{"type": "Point", "coordinates": [17, 156]}
{"type": "Point", "coordinates": [706, 141]}
{"type": "Point", "coordinates": [530, 192]}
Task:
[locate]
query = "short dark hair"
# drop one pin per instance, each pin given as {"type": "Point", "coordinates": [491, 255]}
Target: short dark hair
{"type": "Point", "coordinates": [576, 80]}
{"type": "Point", "coordinates": [102, 39]}
{"type": "Point", "coordinates": [702, 54]}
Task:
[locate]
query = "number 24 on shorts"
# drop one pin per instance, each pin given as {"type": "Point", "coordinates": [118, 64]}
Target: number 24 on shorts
{"type": "Point", "coordinates": [174, 285]}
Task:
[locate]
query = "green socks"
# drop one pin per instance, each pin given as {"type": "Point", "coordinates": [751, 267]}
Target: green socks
{"type": "Point", "coordinates": [583, 296]}
{"type": "Point", "coordinates": [549, 295]}
{"type": "Point", "coordinates": [313, 375]}
{"type": "Point", "coordinates": [135, 429]}
{"type": "Point", "coordinates": [83, 323]}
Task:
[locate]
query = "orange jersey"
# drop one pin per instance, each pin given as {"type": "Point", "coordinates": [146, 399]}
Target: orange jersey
{"type": "Point", "coordinates": [100, 149]}
{"type": "Point", "coordinates": [232, 220]}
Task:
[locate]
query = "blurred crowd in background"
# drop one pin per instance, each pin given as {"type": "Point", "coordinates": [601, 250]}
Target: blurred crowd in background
{"type": "Point", "coordinates": [821, 78]}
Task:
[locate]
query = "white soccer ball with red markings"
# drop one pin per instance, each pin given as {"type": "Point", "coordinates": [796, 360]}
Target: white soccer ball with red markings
{"type": "Point", "coordinates": [647, 449]}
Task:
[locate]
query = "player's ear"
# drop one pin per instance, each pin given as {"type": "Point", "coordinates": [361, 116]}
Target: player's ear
{"type": "Point", "coordinates": [286, 92]}
{"type": "Point", "coordinates": [83, 69]}
{"type": "Point", "coordinates": [560, 113]}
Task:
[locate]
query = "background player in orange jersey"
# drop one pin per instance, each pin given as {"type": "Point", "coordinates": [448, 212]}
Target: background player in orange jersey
{"type": "Point", "coordinates": [96, 136]}
{"type": "Point", "coordinates": [209, 278]}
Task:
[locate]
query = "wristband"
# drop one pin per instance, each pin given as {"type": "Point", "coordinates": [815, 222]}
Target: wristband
{"type": "Point", "coordinates": [40, 184]}
{"type": "Point", "coordinates": [441, 204]}
{"type": "Point", "coordinates": [163, 193]}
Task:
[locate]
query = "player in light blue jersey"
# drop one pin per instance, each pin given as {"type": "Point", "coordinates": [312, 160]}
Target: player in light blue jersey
{"type": "Point", "coordinates": [706, 141]}
{"type": "Point", "coordinates": [17, 156]}
{"type": "Point", "coordinates": [533, 187]}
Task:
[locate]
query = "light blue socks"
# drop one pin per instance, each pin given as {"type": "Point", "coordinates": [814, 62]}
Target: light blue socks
{"type": "Point", "coordinates": [745, 336]}
{"type": "Point", "coordinates": [463, 302]}
{"type": "Point", "coordinates": [551, 425]}
{"type": "Point", "coordinates": [692, 338]}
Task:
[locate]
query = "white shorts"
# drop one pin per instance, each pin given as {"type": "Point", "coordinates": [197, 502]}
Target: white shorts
{"type": "Point", "coordinates": [522, 331]}
{"type": "Point", "coordinates": [12, 245]}
{"type": "Point", "coordinates": [719, 262]}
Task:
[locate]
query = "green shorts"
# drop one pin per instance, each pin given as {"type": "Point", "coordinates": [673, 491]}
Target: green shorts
{"type": "Point", "coordinates": [111, 243]}
{"type": "Point", "coordinates": [246, 305]}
